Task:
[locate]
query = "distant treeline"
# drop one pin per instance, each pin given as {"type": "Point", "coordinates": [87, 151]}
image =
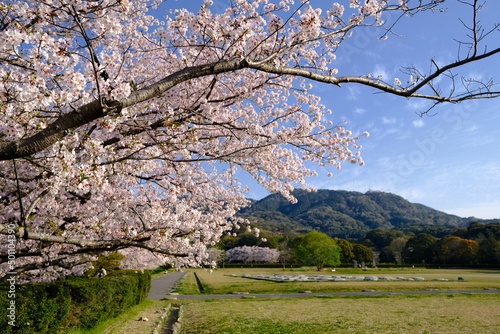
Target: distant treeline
{"type": "Point", "coordinates": [477, 244]}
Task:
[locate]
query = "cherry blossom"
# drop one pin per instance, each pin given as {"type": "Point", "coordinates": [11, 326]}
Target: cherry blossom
{"type": "Point", "coordinates": [252, 254]}
{"type": "Point", "coordinates": [122, 128]}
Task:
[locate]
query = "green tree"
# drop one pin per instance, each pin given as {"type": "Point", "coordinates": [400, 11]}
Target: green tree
{"type": "Point", "coordinates": [109, 262]}
{"type": "Point", "coordinates": [386, 255]}
{"type": "Point", "coordinates": [455, 250]}
{"type": "Point", "coordinates": [382, 238]}
{"type": "Point", "coordinates": [287, 254]}
{"type": "Point", "coordinates": [317, 249]}
{"type": "Point", "coordinates": [346, 250]}
{"type": "Point", "coordinates": [245, 238]}
{"type": "Point", "coordinates": [397, 247]}
{"type": "Point", "coordinates": [488, 238]}
{"type": "Point", "coordinates": [420, 249]}
{"type": "Point", "coordinates": [489, 251]}
{"type": "Point", "coordinates": [362, 253]}
{"type": "Point", "coordinates": [227, 242]}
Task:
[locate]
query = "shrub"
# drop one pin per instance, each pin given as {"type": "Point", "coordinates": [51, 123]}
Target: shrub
{"type": "Point", "coordinates": [76, 302]}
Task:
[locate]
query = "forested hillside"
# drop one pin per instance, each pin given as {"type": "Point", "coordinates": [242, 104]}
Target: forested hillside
{"type": "Point", "coordinates": [347, 214]}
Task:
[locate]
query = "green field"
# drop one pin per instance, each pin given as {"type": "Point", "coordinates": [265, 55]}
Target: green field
{"type": "Point", "coordinates": [395, 313]}
{"type": "Point", "coordinates": [387, 314]}
{"type": "Point", "coordinates": [448, 313]}
{"type": "Point", "coordinates": [225, 281]}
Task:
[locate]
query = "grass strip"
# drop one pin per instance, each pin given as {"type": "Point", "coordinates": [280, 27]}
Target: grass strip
{"type": "Point", "coordinates": [388, 314]}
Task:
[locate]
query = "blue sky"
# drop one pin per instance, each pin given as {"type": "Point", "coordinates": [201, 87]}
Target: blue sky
{"type": "Point", "coordinates": [449, 159]}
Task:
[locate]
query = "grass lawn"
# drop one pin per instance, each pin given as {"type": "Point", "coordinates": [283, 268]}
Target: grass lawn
{"type": "Point", "coordinates": [223, 281]}
{"type": "Point", "coordinates": [445, 313]}
{"type": "Point", "coordinates": [381, 314]}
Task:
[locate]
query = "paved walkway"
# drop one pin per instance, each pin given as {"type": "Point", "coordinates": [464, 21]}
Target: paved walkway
{"type": "Point", "coordinates": [162, 286]}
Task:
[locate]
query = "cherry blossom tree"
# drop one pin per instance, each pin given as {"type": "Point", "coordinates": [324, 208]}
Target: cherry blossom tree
{"type": "Point", "coordinates": [122, 129]}
{"type": "Point", "coordinates": [252, 254]}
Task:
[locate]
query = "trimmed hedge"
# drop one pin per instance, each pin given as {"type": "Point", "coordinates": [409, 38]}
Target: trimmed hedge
{"type": "Point", "coordinates": [72, 303]}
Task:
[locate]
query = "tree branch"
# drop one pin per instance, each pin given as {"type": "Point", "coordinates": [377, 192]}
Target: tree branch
{"type": "Point", "coordinates": [88, 244]}
{"type": "Point", "coordinates": [284, 70]}
{"type": "Point", "coordinates": [93, 110]}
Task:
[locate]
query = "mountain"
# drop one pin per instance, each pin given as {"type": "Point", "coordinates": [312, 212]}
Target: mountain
{"type": "Point", "coordinates": [348, 214]}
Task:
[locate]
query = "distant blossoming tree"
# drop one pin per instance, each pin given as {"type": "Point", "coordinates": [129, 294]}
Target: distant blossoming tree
{"type": "Point", "coordinates": [120, 130]}
{"type": "Point", "coordinates": [252, 254]}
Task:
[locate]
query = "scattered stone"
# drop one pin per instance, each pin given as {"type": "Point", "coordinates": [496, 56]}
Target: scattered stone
{"type": "Point", "coordinates": [143, 319]}
{"type": "Point", "coordinates": [326, 278]}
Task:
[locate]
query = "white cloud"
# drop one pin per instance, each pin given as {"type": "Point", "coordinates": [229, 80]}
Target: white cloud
{"type": "Point", "coordinates": [389, 120]}
{"type": "Point", "coordinates": [354, 92]}
{"type": "Point", "coordinates": [418, 105]}
{"type": "Point", "coordinates": [418, 123]}
{"type": "Point", "coordinates": [414, 195]}
{"type": "Point", "coordinates": [476, 76]}
{"type": "Point", "coordinates": [472, 128]}
{"type": "Point", "coordinates": [380, 73]}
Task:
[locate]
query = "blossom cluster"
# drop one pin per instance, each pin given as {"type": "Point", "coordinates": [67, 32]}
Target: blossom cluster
{"type": "Point", "coordinates": [160, 173]}
{"type": "Point", "coordinates": [252, 254]}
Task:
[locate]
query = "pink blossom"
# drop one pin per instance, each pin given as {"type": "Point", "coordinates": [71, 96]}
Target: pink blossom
{"type": "Point", "coordinates": [159, 175]}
